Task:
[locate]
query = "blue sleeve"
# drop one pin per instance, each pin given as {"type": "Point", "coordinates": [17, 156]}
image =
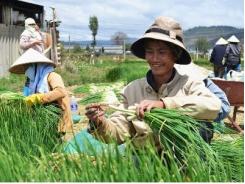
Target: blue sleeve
{"type": "Point", "coordinates": [225, 105]}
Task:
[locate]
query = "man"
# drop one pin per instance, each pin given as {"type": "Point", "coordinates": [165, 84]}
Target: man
{"type": "Point", "coordinates": [163, 87]}
{"type": "Point", "coordinates": [233, 55]}
{"type": "Point", "coordinates": [217, 57]}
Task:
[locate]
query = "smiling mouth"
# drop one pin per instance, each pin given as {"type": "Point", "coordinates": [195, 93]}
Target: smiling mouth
{"type": "Point", "coordinates": [157, 65]}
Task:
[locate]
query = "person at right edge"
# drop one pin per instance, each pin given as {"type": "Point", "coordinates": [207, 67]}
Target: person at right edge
{"type": "Point", "coordinates": [232, 55]}
{"type": "Point", "coordinates": [163, 87]}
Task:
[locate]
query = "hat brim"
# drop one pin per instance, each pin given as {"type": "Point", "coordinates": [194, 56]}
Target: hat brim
{"type": "Point", "coordinates": [30, 56]}
{"type": "Point", "coordinates": [138, 48]}
{"type": "Point", "coordinates": [21, 68]}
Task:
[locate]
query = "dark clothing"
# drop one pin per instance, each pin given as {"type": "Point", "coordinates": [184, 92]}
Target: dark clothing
{"type": "Point", "coordinates": [232, 54]}
{"type": "Point", "coordinates": [216, 58]}
{"type": "Point", "coordinates": [232, 58]}
{"type": "Point", "coordinates": [219, 71]}
{"type": "Point", "coordinates": [218, 54]}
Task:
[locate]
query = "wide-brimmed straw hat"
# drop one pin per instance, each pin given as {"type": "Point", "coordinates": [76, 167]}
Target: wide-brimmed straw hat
{"type": "Point", "coordinates": [193, 71]}
{"type": "Point", "coordinates": [221, 41]}
{"type": "Point", "coordinates": [29, 57]}
{"type": "Point", "coordinates": [233, 39]}
{"type": "Point", "coordinates": [164, 29]}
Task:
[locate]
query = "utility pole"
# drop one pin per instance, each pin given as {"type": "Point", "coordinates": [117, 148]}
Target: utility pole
{"type": "Point", "coordinates": [56, 48]}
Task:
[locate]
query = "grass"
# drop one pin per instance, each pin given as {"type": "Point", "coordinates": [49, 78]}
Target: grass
{"type": "Point", "coordinates": [31, 150]}
{"type": "Point", "coordinates": [12, 82]}
{"type": "Point", "coordinates": [77, 71]}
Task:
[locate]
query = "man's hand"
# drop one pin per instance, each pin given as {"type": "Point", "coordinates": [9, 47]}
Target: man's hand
{"type": "Point", "coordinates": [147, 105]}
{"type": "Point", "coordinates": [34, 99]}
{"type": "Point", "coordinates": [95, 113]}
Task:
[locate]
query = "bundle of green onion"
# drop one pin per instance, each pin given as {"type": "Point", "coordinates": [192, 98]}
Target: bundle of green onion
{"type": "Point", "coordinates": [231, 152]}
{"type": "Point", "coordinates": [178, 133]}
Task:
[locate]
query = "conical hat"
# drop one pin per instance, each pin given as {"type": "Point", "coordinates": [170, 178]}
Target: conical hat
{"type": "Point", "coordinates": [233, 39]}
{"type": "Point", "coordinates": [221, 41]}
{"type": "Point", "coordinates": [192, 70]}
{"type": "Point", "coordinates": [29, 57]}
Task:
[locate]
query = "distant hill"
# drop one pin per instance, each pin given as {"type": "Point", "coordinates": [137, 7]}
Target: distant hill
{"type": "Point", "coordinates": [212, 34]}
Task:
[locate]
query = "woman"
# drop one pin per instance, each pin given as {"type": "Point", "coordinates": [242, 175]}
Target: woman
{"type": "Point", "coordinates": [43, 85]}
{"type": "Point", "coordinates": [163, 87]}
{"type": "Point", "coordinates": [31, 37]}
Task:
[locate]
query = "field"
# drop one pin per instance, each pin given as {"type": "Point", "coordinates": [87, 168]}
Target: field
{"type": "Point", "coordinates": [32, 150]}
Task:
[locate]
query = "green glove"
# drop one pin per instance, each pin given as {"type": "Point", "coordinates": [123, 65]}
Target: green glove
{"type": "Point", "coordinates": [34, 99]}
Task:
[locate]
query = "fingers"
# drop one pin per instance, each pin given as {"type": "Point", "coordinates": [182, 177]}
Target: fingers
{"type": "Point", "coordinates": [141, 108]}
{"type": "Point", "coordinates": [145, 105]}
{"type": "Point", "coordinates": [94, 113]}
{"type": "Point", "coordinates": [93, 105]}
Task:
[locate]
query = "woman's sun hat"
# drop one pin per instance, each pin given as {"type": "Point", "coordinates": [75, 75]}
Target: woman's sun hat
{"type": "Point", "coordinates": [29, 57]}
{"type": "Point", "coordinates": [221, 41]}
{"type": "Point", "coordinates": [233, 39]}
{"type": "Point", "coordinates": [165, 29]}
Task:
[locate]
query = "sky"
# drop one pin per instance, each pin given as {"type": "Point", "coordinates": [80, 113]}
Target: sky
{"type": "Point", "coordinates": [133, 17]}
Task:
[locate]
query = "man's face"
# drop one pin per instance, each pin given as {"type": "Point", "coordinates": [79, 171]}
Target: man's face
{"type": "Point", "coordinates": [160, 57]}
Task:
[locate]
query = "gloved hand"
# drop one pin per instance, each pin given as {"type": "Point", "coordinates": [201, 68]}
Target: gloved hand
{"type": "Point", "coordinates": [34, 99]}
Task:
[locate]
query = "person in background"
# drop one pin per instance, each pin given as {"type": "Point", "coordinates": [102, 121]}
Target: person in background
{"type": "Point", "coordinates": [163, 87]}
{"type": "Point", "coordinates": [233, 55]}
{"type": "Point", "coordinates": [217, 56]}
{"type": "Point", "coordinates": [31, 37]}
{"type": "Point", "coordinates": [45, 85]}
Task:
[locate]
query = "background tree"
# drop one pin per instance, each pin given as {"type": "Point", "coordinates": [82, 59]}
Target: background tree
{"type": "Point", "coordinates": [93, 26]}
{"type": "Point", "coordinates": [202, 45]}
{"type": "Point", "coordinates": [118, 38]}
{"type": "Point", "coordinates": [77, 48]}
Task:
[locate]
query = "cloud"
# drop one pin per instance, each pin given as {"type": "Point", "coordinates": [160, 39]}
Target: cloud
{"type": "Point", "coordinates": [133, 17]}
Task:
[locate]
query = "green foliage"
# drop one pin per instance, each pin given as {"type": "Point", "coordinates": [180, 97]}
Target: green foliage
{"type": "Point", "coordinates": [70, 67]}
{"type": "Point", "coordinates": [202, 45]}
{"type": "Point", "coordinates": [232, 154]}
{"type": "Point", "coordinates": [12, 82]}
{"type": "Point", "coordinates": [82, 89]}
{"type": "Point", "coordinates": [204, 63]}
{"type": "Point", "coordinates": [76, 49]}
{"type": "Point", "coordinates": [25, 128]}
{"type": "Point", "coordinates": [30, 151]}
{"type": "Point", "coordinates": [127, 71]}
{"type": "Point", "coordinates": [114, 74]}
{"type": "Point", "coordinates": [92, 98]}
{"type": "Point", "coordinates": [93, 26]}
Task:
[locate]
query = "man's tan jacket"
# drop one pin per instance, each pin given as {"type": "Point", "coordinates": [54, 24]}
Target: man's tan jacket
{"type": "Point", "coordinates": [180, 93]}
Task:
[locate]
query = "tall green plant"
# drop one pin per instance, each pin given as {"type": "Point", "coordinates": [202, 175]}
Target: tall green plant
{"type": "Point", "coordinates": [93, 26]}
